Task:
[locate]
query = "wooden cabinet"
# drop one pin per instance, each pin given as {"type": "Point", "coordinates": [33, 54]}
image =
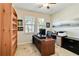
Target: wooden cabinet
{"type": "Point", "coordinates": [71, 44]}
{"type": "Point", "coordinates": [46, 46]}
{"type": "Point", "coordinates": [8, 29]}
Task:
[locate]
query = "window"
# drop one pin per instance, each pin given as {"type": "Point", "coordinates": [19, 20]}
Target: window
{"type": "Point", "coordinates": [41, 23]}
{"type": "Point", "coordinates": [29, 24]}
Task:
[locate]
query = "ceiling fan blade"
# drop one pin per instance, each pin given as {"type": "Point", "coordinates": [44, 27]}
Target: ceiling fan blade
{"type": "Point", "coordinates": [40, 6]}
{"type": "Point", "coordinates": [51, 3]}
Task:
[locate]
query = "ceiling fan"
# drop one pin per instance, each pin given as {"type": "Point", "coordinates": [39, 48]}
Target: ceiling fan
{"type": "Point", "coordinates": [46, 5]}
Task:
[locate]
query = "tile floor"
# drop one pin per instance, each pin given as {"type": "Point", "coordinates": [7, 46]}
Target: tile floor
{"type": "Point", "coordinates": [30, 50]}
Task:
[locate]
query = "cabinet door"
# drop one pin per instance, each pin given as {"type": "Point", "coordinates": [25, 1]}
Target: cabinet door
{"type": "Point", "coordinates": [6, 29]}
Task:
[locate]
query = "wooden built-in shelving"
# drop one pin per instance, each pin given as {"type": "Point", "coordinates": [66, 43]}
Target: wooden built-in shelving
{"type": "Point", "coordinates": [14, 30]}
{"type": "Point", "coordinates": [8, 30]}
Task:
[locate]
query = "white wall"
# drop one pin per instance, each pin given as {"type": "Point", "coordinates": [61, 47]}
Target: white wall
{"type": "Point", "coordinates": [22, 13]}
{"type": "Point", "coordinates": [68, 14]}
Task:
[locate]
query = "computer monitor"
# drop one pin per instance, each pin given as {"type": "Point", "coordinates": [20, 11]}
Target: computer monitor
{"type": "Point", "coordinates": [49, 33]}
{"type": "Point", "coordinates": [42, 31]}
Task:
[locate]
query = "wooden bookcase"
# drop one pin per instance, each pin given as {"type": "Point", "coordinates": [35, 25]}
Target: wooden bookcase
{"type": "Point", "coordinates": [8, 30]}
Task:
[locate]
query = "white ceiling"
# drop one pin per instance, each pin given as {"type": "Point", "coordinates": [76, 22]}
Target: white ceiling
{"type": "Point", "coordinates": [35, 7]}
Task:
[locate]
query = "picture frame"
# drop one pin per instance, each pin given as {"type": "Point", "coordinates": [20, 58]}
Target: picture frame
{"type": "Point", "coordinates": [20, 22]}
{"type": "Point", "coordinates": [20, 28]}
{"type": "Point", "coordinates": [48, 25]}
{"type": "Point", "coordinates": [20, 25]}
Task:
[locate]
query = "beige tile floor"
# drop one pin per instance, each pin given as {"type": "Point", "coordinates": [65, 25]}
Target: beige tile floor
{"type": "Point", "coordinates": [30, 50]}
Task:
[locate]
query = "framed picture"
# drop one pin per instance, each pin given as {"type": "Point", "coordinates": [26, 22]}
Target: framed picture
{"type": "Point", "coordinates": [20, 25]}
{"type": "Point", "coordinates": [48, 25]}
{"type": "Point", "coordinates": [20, 22]}
{"type": "Point", "coordinates": [20, 28]}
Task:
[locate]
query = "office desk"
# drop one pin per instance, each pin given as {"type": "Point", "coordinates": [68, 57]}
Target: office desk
{"type": "Point", "coordinates": [46, 46]}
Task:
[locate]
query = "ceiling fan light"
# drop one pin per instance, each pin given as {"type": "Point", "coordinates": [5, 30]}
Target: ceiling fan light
{"type": "Point", "coordinates": [48, 7]}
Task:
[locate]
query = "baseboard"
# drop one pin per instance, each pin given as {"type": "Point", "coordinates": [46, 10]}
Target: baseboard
{"type": "Point", "coordinates": [23, 43]}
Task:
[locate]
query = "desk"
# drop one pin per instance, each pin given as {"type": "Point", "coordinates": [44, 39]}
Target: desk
{"type": "Point", "coordinates": [46, 46]}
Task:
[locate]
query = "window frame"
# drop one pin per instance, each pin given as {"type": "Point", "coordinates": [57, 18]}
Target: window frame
{"type": "Point", "coordinates": [25, 24]}
{"type": "Point", "coordinates": [41, 25]}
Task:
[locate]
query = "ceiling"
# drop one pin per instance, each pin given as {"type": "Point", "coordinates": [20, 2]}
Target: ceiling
{"type": "Point", "coordinates": [35, 7]}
